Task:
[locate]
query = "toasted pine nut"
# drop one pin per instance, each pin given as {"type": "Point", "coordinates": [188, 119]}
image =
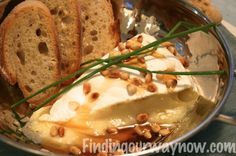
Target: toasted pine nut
{"type": "Point", "coordinates": [158, 55]}
{"type": "Point", "coordinates": [152, 87]}
{"type": "Point", "coordinates": [86, 88]}
{"type": "Point", "coordinates": [75, 150]}
{"type": "Point", "coordinates": [54, 131]}
{"type": "Point", "coordinates": [142, 118]}
{"type": "Point", "coordinates": [95, 96]}
{"type": "Point", "coordinates": [124, 75]}
{"type": "Point", "coordinates": [184, 62]}
{"type": "Point", "coordinates": [114, 53]}
{"type": "Point", "coordinates": [133, 60]}
{"type": "Point", "coordinates": [133, 45]}
{"type": "Point", "coordinates": [105, 73]}
{"type": "Point", "coordinates": [155, 128]}
{"type": "Point", "coordinates": [121, 46]}
{"type": "Point", "coordinates": [164, 132]}
{"type": "Point", "coordinates": [169, 80]}
{"type": "Point", "coordinates": [141, 60]}
{"type": "Point", "coordinates": [172, 50]}
{"type": "Point", "coordinates": [148, 78]}
{"type": "Point", "coordinates": [140, 39]}
{"type": "Point", "coordinates": [61, 131]}
{"type": "Point", "coordinates": [137, 81]}
{"type": "Point", "coordinates": [171, 83]}
{"type": "Point", "coordinates": [112, 130]}
{"type": "Point", "coordinates": [147, 134]}
{"type": "Point", "coordinates": [125, 51]}
{"type": "Point", "coordinates": [131, 89]}
{"type": "Point", "coordinates": [167, 44]}
{"type": "Point", "coordinates": [138, 130]}
{"type": "Point", "coordinates": [114, 74]}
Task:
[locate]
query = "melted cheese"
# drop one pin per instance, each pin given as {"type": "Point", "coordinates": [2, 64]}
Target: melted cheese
{"type": "Point", "coordinates": [114, 107]}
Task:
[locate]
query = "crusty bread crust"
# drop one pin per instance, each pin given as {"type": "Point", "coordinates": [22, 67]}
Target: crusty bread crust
{"type": "Point", "coordinates": [66, 15]}
{"type": "Point", "coordinates": [10, 65]}
{"type": "Point", "coordinates": [209, 9]}
{"type": "Point", "coordinates": [3, 4]}
{"type": "Point", "coordinates": [100, 28]}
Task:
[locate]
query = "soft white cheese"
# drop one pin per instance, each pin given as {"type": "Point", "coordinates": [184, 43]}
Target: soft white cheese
{"type": "Point", "coordinates": [113, 91]}
{"type": "Point", "coordinates": [115, 107]}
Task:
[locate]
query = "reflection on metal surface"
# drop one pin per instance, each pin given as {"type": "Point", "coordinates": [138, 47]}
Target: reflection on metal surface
{"type": "Point", "coordinates": [227, 119]}
{"type": "Point", "coordinates": [205, 52]}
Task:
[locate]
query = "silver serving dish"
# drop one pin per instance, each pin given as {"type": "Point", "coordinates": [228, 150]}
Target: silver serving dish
{"type": "Point", "coordinates": [205, 52]}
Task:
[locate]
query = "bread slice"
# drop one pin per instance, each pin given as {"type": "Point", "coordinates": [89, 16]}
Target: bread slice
{"type": "Point", "coordinates": [28, 49]}
{"type": "Point", "coordinates": [207, 7]}
{"type": "Point", "coordinates": [66, 15]}
{"type": "Point", "coordinates": [3, 5]}
{"type": "Point", "coordinates": [100, 30]}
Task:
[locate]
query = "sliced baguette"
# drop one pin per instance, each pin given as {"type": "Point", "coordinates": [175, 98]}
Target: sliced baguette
{"type": "Point", "coordinates": [207, 7]}
{"type": "Point", "coordinates": [66, 15]}
{"type": "Point", "coordinates": [100, 30]}
{"type": "Point", "coordinates": [3, 5]}
{"type": "Point", "coordinates": [28, 49]}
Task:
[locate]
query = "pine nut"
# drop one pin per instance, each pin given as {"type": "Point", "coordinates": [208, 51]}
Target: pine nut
{"type": "Point", "coordinates": [158, 55]}
{"type": "Point", "coordinates": [138, 130]}
{"type": "Point", "coordinates": [172, 50]}
{"type": "Point", "coordinates": [141, 60]}
{"type": "Point", "coordinates": [152, 87]}
{"type": "Point", "coordinates": [169, 80]}
{"type": "Point", "coordinates": [105, 73]}
{"type": "Point", "coordinates": [54, 131]}
{"type": "Point", "coordinates": [167, 44]}
{"type": "Point", "coordinates": [184, 62]}
{"type": "Point", "coordinates": [125, 51]}
{"type": "Point", "coordinates": [147, 134]}
{"type": "Point", "coordinates": [95, 96]}
{"type": "Point", "coordinates": [133, 45]}
{"type": "Point", "coordinates": [148, 78]}
{"type": "Point", "coordinates": [133, 60]}
{"type": "Point", "coordinates": [140, 39]}
{"type": "Point", "coordinates": [114, 74]}
{"type": "Point", "coordinates": [114, 53]}
{"type": "Point", "coordinates": [112, 130]}
{"type": "Point", "coordinates": [86, 88]}
{"type": "Point", "coordinates": [131, 89]}
{"type": "Point", "coordinates": [61, 131]}
{"type": "Point", "coordinates": [155, 128]}
{"type": "Point", "coordinates": [75, 150]}
{"type": "Point", "coordinates": [121, 46]}
{"type": "Point", "coordinates": [164, 132]}
{"type": "Point", "coordinates": [142, 118]}
{"type": "Point", "coordinates": [124, 75]}
{"type": "Point", "coordinates": [171, 83]}
{"type": "Point", "coordinates": [137, 81]}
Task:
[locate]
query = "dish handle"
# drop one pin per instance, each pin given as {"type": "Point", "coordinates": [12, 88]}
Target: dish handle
{"type": "Point", "coordinates": [226, 118]}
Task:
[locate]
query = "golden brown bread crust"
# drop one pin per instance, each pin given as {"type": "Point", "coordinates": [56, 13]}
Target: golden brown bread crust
{"type": "Point", "coordinates": [209, 9]}
{"type": "Point", "coordinates": [3, 4]}
{"type": "Point", "coordinates": [8, 69]}
{"type": "Point", "coordinates": [67, 19]}
{"type": "Point", "coordinates": [100, 28]}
